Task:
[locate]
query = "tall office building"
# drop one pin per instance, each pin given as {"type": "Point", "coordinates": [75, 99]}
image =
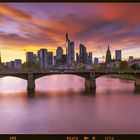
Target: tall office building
{"type": "Point", "coordinates": [77, 58]}
{"type": "Point", "coordinates": [69, 51]}
{"type": "Point", "coordinates": [108, 56]}
{"type": "Point", "coordinates": [83, 54]}
{"type": "Point", "coordinates": [54, 61]}
{"type": "Point", "coordinates": [89, 58]}
{"type": "Point", "coordinates": [118, 55]}
{"type": "Point", "coordinates": [43, 58]}
{"type": "Point", "coordinates": [50, 58]}
{"type": "Point", "coordinates": [30, 57]}
{"type": "Point", "coordinates": [59, 53]}
{"type": "Point", "coordinates": [64, 59]}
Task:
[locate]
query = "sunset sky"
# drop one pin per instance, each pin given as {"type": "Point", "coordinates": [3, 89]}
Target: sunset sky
{"type": "Point", "coordinates": [31, 26]}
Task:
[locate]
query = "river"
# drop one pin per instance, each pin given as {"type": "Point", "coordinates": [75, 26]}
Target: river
{"type": "Point", "coordinates": [60, 106]}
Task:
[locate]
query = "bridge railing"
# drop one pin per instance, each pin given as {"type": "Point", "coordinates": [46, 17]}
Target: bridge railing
{"type": "Point", "coordinates": [65, 70]}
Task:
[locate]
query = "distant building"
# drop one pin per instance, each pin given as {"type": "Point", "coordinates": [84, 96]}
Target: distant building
{"type": "Point", "coordinates": [69, 51]}
{"type": "Point", "coordinates": [12, 64]}
{"type": "Point", "coordinates": [43, 58]}
{"type": "Point", "coordinates": [64, 59]}
{"type": "Point", "coordinates": [59, 53]}
{"type": "Point", "coordinates": [89, 58]}
{"type": "Point", "coordinates": [35, 57]}
{"type": "Point", "coordinates": [96, 60]}
{"type": "Point", "coordinates": [7, 64]}
{"type": "Point", "coordinates": [54, 61]}
{"type": "Point", "coordinates": [108, 56]}
{"type": "Point", "coordinates": [135, 62]}
{"type": "Point", "coordinates": [77, 58]}
{"type": "Point", "coordinates": [83, 54]}
{"type": "Point", "coordinates": [118, 55]}
{"type": "Point", "coordinates": [30, 57]}
{"type": "Point", "coordinates": [50, 58]}
{"type": "Point", "coordinates": [18, 63]}
{"type": "Point", "coordinates": [130, 58]}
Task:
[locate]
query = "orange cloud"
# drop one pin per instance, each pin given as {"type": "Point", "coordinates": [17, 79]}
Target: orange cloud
{"type": "Point", "coordinates": [15, 14]}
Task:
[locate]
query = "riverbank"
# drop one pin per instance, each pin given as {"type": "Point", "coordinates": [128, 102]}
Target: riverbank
{"type": "Point", "coordinates": [122, 76]}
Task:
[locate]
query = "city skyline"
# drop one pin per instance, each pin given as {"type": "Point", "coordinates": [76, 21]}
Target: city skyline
{"type": "Point", "coordinates": [29, 27]}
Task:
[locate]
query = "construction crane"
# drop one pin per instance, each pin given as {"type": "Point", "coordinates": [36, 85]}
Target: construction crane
{"type": "Point", "coordinates": [103, 57]}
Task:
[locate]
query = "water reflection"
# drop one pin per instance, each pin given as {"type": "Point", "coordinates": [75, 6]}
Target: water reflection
{"type": "Point", "coordinates": [61, 105]}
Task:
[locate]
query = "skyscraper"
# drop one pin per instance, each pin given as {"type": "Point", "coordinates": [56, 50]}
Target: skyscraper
{"type": "Point", "coordinates": [69, 51]}
{"type": "Point", "coordinates": [64, 60]}
{"type": "Point", "coordinates": [89, 58]}
{"type": "Point", "coordinates": [59, 53]}
{"type": "Point", "coordinates": [118, 55]}
{"type": "Point", "coordinates": [83, 54]}
{"type": "Point", "coordinates": [43, 58]}
{"type": "Point", "coordinates": [50, 58]}
{"type": "Point", "coordinates": [67, 46]}
{"type": "Point", "coordinates": [77, 58]}
{"type": "Point", "coordinates": [108, 56]}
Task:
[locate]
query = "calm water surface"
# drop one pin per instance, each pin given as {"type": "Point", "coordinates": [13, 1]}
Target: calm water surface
{"type": "Point", "coordinates": [60, 106]}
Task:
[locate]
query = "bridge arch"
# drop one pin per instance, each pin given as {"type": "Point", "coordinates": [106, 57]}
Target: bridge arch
{"type": "Point", "coordinates": [16, 76]}
{"type": "Point", "coordinates": [38, 76]}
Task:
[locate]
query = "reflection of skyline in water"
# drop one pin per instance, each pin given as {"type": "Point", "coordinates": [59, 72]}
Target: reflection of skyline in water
{"type": "Point", "coordinates": [112, 108]}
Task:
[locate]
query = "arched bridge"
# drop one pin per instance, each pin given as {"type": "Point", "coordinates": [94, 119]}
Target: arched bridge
{"type": "Point", "coordinates": [90, 76]}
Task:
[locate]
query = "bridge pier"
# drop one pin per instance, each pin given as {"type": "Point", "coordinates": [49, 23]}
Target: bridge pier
{"type": "Point", "coordinates": [137, 84]}
{"type": "Point", "coordinates": [31, 84]}
{"type": "Point", "coordinates": [90, 84]}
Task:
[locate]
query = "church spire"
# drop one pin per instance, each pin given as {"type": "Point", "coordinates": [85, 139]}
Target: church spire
{"type": "Point", "coordinates": [108, 55]}
{"type": "Point", "coordinates": [108, 46]}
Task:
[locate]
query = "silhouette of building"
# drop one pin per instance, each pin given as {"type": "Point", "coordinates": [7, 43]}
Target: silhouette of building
{"type": "Point", "coordinates": [18, 63]}
{"type": "Point", "coordinates": [59, 53]}
{"type": "Point", "coordinates": [108, 56]}
{"type": "Point", "coordinates": [131, 58]}
{"type": "Point", "coordinates": [96, 60]}
{"type": "Point", "coordinates": [89, 58]}
{"type": "Point", "coordinates": [64, 59]}
{"type": "Point", "coordinates": [50, 58]}
{"type": "Point", "coordinates": [30, 57]}
{"type": "Point", "coordinates": [69, 51]}
{"type": "Point", "coordinates": [83, 54]}
{"type": "Point", "coordinates": [12, 64]}
{"type": "Point", "coordinates": [54, 61]}
{"type": "Point", "coordinates": [118, 55]}
{"type": "Point", "coordinates": [43, 58]}
{"type": "Point", "coordinates": [77, 58]}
